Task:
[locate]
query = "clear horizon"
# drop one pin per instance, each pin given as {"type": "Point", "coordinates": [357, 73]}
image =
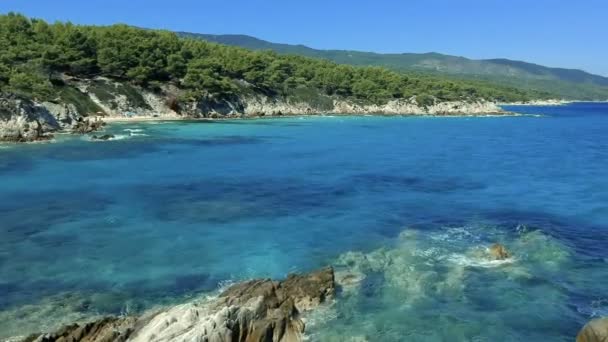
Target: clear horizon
{"type": "Point", "coordinates": [544, 32]}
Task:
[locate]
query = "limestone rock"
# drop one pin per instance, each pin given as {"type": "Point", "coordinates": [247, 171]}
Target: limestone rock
{"type": "Point", "coordinates": [594, 331]}
{"type": "Point", "coordinates": [84, 126]}
{"type": "Point", "coordinates": [110, 329]}
{"type": "Point", "coordinates": [260, 310]}
{"type": "Point", "coordinates": [21, 120]}
{"type": "Point", "coordinates": [66, 114]}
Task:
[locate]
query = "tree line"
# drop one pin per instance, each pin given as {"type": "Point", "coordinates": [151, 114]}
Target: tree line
{"type": "Point", "coordinates": [33, 52]}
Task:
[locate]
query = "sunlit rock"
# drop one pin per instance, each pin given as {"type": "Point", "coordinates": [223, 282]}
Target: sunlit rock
{"type": "Point", "coordinates": [499, 252]}
{"type": "Point", "coordinates": [259, 310]}
{"type": "Point", "coordinates": [594, 331]}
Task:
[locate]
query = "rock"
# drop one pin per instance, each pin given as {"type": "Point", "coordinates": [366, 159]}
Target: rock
{"type": "Point", "coordinates": [109, 329]}
{"type": "Point", "coordinates": [499, 252]}
{"type": "Point", "coordinates": [103, 137]}
{"type": "Point", "coordinates": [21, 120]}
{"type": "Point", "coordinates": [594, 331]}
{"type": "Point", "coordinates": [260, 310]}
{"type": "Point", "coordinates": [84, 126]}
{"type": "Point", "coordinates": [66, 114]}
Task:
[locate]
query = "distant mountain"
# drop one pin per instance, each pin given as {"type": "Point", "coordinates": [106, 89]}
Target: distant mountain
{"type": "Point", "coordinates": [566, 83]}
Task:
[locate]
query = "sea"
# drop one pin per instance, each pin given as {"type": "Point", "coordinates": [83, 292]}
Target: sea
{"type": "Point", "coordinates": [406, 206]}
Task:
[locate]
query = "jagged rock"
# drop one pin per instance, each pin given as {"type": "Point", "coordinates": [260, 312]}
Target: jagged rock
{"type": "Point", "coordinates": [21, 120]}
{"type": "Point", "coordinates": [259, 310]}
{"type": "Point", "coordinates": [499, 252]}
{"type": "Point", "coordinates": [594, 331]}
{"type": "Point", "coordinates": [66, 114]}
{"type": "Point", "coordinates": [109, 329]}
{"type": "Point", "coordinates": [84, 126]}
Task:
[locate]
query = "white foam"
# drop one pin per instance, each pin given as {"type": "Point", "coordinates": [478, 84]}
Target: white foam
{"type": "Point", "coordinates": [597, 308]}
{"type": "Point", "coordinates": [116, 137]}
{"type": "Point", "coordinates": [133, 130]}
{"type": "Point", "coordinates": [464, 260]}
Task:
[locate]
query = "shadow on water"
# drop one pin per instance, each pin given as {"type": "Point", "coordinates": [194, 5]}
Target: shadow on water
{"type": "Point", "coordinates": [27, 214]}
{"type": "Point", "coordinates": [78, 151]}
{"type": "Point", "coordinates": [14, 162]}
{"type": "Point", "coordinates": [384, 182]}
{"type": "Point", "coordinates": [232, 199]}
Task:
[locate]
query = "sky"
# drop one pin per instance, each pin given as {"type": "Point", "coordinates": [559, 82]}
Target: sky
{"type": "Point", "coordinates": [558, 33]}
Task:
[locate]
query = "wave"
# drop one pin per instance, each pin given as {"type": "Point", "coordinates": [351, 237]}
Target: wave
{"type": "Point", "coordinates": [468, 261]}
{"type": "Point", "coordinates": [116, 137]}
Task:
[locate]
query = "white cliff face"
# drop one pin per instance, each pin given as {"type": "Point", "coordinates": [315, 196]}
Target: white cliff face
{"type": "Point", "coordinates": [66, 114]}
{"type": "Point", "coordinates": [260, 105]}
{"type": "Point", "coordinates": [117, 104]}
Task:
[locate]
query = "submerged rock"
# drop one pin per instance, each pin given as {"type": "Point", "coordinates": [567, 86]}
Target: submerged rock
{"type": "Point", "coordinates": [259, 310]}
{"type": "Point", "coordinates": [499, 252]}
{"type": "Point", "coordinates": [103, 137]}
{"type": "Point", "coordinates": [594, 331]}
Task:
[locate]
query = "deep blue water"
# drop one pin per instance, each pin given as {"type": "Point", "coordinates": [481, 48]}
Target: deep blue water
{"type": "Point", "coordinates": [179, 208]}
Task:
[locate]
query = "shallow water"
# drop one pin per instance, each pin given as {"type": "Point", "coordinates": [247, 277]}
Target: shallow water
{"type": "Point", "coordinates": [406, 205]}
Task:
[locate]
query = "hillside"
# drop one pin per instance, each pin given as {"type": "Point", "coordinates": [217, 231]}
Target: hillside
{"type": "Point", "coordinates": [53, 75]}
{"type": "Point", "coordinates": [566, 83]}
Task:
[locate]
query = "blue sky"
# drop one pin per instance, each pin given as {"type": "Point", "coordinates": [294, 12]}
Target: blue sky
{"type": "Point", "coordinates": [564, 33]}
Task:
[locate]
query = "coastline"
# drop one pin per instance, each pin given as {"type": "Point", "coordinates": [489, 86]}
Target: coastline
{"type": "Point", "coordinates": [550, 102]}
{"type": "Point", "coordinates": [146, 118]}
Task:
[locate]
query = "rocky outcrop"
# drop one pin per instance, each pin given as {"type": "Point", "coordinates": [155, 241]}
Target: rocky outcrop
{"type": "Point", "coordinates": [110, 329]}
{"type": "Point", "coordinates": [85, 125]}
{"type": "Point", "coordinates": [66, 114]}
{"type": "Point", "coordinates": [22, 120]}
{"type": "Point", "coordinates": [498, 252]}
{"type": "Point", "coordinates": [594, 331]}
{"type": "Point", "coordinates": [123, 99]}
{"type": "Point", "coordinates": [259, 310]}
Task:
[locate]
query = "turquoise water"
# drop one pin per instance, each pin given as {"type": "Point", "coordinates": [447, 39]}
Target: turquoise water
{"type": "Point", "coordinates": [406, 205]}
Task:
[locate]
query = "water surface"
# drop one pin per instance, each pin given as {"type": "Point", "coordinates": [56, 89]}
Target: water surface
{"type": "Point", "coordinates": [406, 204]}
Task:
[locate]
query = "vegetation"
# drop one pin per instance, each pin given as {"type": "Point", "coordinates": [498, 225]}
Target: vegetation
{"type": "Point", "coordinates": [35, 56]}
{"type": "Point", "coordinates": [564, 83]}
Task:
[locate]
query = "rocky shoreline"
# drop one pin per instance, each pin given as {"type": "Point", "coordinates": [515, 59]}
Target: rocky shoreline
{"type": "Point", "coordinates": [96, 100]}
{"type": "Point", "coordinates": [260, 310]}
{"type": "Point", "coordinates": [265, 310]}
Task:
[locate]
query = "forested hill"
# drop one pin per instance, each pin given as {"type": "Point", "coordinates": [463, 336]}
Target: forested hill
{"type": "Point", "coordinates": [33, 54]}
{"type": "Point", "coordinates": [567, 83]}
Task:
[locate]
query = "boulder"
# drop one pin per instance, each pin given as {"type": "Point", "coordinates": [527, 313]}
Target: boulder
{"type": "Point", "coordinates": [594, 331]}
{"type": "Point", "coordinates": [84, 126]}
{"type": "Point", "coordinates": [499, 252]}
